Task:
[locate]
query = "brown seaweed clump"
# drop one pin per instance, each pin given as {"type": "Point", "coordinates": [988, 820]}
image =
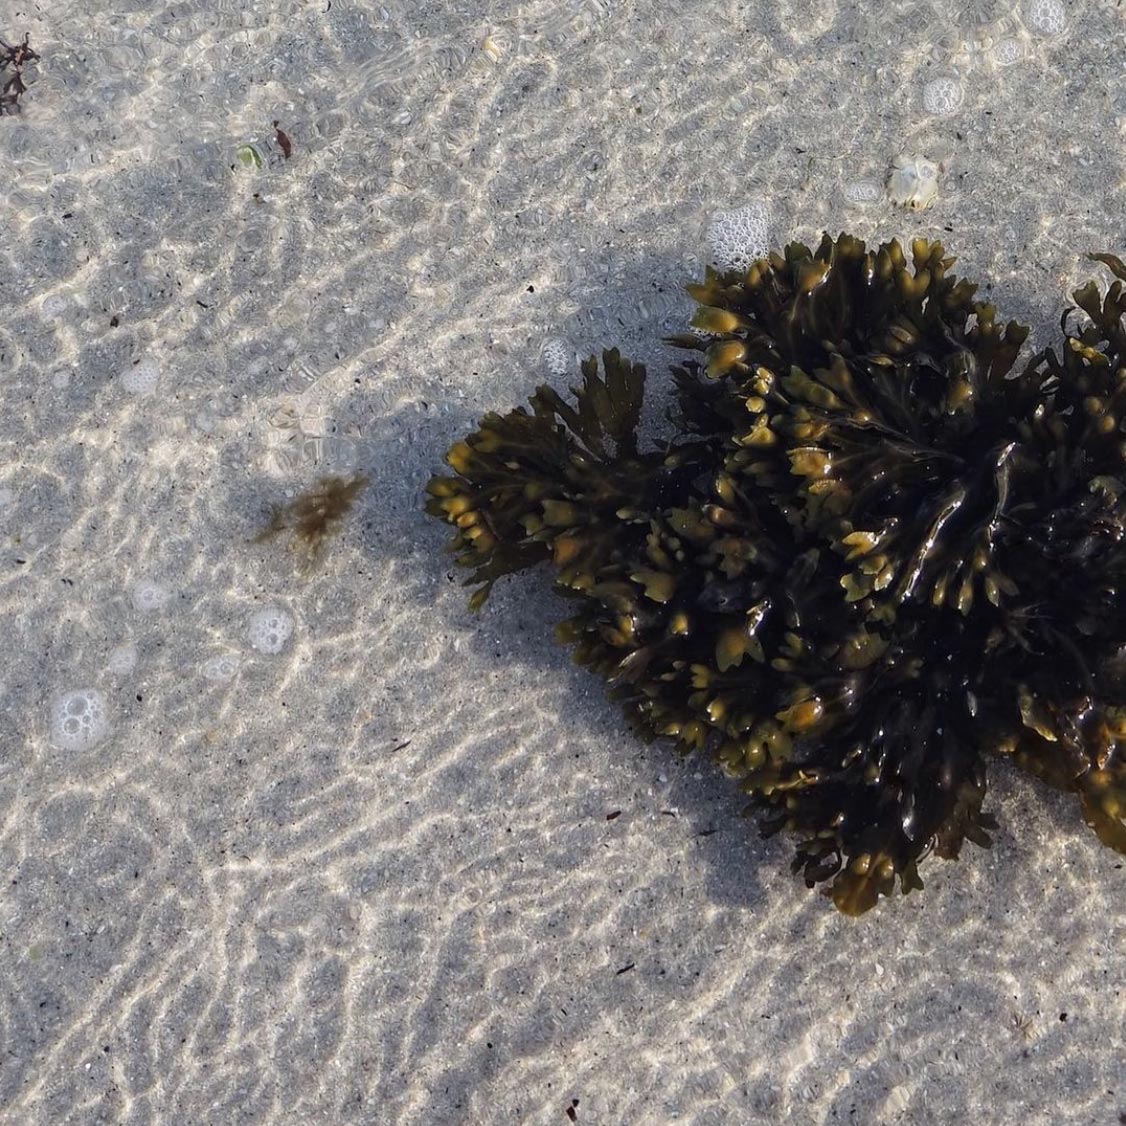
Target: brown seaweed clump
{"type": "Point", "coordinates": [315, 516]}
{"type": "Point", "coordinates": [16, 56]}
{"type": "Point", "coordinates": [877, 555]}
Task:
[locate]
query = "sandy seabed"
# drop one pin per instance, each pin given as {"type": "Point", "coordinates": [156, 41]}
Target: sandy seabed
{"type": "Point", "coordinates": [331, 849]}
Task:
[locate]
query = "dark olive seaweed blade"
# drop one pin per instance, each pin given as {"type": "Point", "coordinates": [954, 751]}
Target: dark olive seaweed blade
{"type": "Point", "coordinates": [879, 553]}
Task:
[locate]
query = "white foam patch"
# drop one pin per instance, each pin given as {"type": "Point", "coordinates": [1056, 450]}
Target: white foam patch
{"type": "Point", "coordinates": [221, 668]}
{"type": "Point", "coordinates": [736, 238]}
{"type": "Point", "coordinates": [149, 596]}
{"type": "Point", "coordinates": [123, 660]}
{"type": "Point", "coordinates": [943, 96]}
{"type": "Point", "coordinates": [558, 357]}
{"type": "Point", "coordinates": [1008, 51]}
{"type": "Point", "coordinates": [1046, 16]}
{"type": "Point", "coordinates": [862, 192]}
{"type": "Point", "coordinates": [141, 378]}
{"type": "Point", "coordinates": [270, 629]}
{"type": "Point", "coordinates": [79, 720]}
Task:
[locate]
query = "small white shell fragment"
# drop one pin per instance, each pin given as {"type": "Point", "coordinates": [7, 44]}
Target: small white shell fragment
{"type": "Point", "coordinates": [913, 182]}
{"type": "Point", "coordinates": [491, 49]}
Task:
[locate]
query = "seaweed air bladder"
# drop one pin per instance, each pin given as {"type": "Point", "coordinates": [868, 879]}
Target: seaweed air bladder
{"type": "Point", "coordinates": [882, 552]}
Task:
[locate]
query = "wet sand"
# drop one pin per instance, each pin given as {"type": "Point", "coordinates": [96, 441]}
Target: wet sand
{"type": "Point", "coordinates": [329, 848]}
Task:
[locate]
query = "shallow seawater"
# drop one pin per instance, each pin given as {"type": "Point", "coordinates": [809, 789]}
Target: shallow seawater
{"type": "Point", "coordinates": [328, 848]}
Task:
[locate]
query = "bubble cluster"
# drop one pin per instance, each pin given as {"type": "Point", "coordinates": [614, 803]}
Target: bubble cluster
{"type": "Point", "coordinates": [862, 191]}
{"type": "Point", "coordinates": [141, 378]}
{"type": "Point", "coordinates": [943, 96]}
{"type": "Point", "coordinates": [1008, 51]}
{"type": "Point", "coordinates": [79, 720]}
{"type": "Point", "coordinates": [221, 668]}
{"type": "Point", "coordinates": [1046, 16]}
{"type": "Point", "coordinates": [737, 238]}
{"type": "Point", "coordinates": [270, 629]}
{"type": "Point", "coordinates": [557, 357]}
{"type": "Point", "coordinates": [149, 596]}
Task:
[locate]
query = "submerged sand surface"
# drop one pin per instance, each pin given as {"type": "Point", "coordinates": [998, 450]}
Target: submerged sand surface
{"type": "Point", "coordinates": [330, 849]}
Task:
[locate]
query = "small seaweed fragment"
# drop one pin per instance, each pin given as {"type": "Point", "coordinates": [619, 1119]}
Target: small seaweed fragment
{"type": "Point", "coordinates": [878, 554]}
{"type": "Point", "coordinates": [15, 56]}
{"type": "Point", "coordinates": [284, 143]}
{"type": "Point", "coordinates": [315, 515]}
{"type": "Point", "coordinates": [249, 156]}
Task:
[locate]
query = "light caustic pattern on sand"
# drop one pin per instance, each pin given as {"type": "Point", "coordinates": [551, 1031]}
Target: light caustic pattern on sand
{"type": "Point", "coordinates": [321, 848]}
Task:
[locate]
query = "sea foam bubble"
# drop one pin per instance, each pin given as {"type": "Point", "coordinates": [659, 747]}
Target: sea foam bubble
{"type": "Point", "coordinates": [736, 238]}
{"type": "Point", "coordinates": [270, 629]}
{"type": "Point", "coordinates": [79, 719]}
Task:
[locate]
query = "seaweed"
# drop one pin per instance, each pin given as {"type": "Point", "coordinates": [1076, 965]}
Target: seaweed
{"type": "Point", "coordinates": [315, 516]}
{"type": "Point", "coordinates": [878, 554]}
{"type": "Point", "coordinates": [15, 56]}
{"type": "Point", "coordinates": [282, 138]}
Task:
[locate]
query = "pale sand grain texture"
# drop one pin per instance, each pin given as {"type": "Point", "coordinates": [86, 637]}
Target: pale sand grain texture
{"type": "Point", "coordinates": [333, 850]}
